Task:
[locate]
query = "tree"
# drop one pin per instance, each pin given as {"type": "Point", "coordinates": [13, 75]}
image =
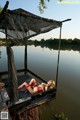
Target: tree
{"type": "Point", "coordinates": [0, 9]}
{"type": "Point", "coordinates": [42, 5]}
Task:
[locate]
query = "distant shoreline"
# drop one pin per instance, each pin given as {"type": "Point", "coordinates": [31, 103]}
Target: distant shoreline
{"type": "Point", "coordinates": [66, 44]}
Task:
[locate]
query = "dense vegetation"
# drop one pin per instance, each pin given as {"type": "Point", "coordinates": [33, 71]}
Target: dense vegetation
{"type": "Point", "coordinates": [56, 42]}
{"type": "Point", "coordinates": [66, 44]}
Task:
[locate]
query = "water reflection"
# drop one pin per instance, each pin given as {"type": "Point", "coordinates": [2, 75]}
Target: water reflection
{"type": "Point", "coordinates": [55, 47]}
{"type": "Point", "coordinates": [68, 94]}
{"type": "Point", "coordinates": [43, 61]}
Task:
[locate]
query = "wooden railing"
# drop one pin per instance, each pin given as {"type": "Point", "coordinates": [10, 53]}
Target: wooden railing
{"type": "Point", "coordinates": [23, 70]}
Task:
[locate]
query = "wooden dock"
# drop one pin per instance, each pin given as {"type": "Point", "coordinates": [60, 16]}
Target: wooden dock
{"type": "Point", "coordinates": [26, 101]}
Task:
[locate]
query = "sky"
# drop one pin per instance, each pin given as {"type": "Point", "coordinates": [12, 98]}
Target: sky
{"type": "Point", "coordinates": [54, 10]}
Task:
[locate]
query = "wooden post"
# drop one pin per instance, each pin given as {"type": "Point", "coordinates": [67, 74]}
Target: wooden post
{"type": "Point", "coordinates": [12, 73]}
{"type": "Point", "coordinates": [58, 56]}
{"type": "Point", "coordinates": [25, 59]}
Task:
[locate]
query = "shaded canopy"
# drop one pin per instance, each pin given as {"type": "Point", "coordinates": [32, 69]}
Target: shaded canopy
{"type": "Point", "coordinates": [21, 25]}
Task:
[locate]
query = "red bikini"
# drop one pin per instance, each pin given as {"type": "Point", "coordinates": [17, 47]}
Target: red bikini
{"type": "Point", "coordinates": [39, 89]}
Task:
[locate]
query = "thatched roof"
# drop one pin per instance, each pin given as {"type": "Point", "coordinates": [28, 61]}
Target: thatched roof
{"type": "Point", "coordinates": [21, 24]}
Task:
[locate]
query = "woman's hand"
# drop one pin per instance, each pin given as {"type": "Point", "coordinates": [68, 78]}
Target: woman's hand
{"type": "Point", "coordinates": [46, 87]}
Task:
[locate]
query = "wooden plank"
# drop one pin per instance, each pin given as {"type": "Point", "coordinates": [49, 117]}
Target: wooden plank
{"type": "Point", "coordinates": [28, 101]}
{"type": "Point", "coordinates": [23, 70]}
{"type": "Point", "coordinates": [6, 72]}
{"type": "Point", "coordinates": [36, 76]}
{"type": "Point", "coordinates": [32, 101]}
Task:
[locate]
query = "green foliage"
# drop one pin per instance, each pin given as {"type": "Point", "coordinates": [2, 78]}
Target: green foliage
{"type": "Point", "coordinates": [42, 5]}
{"type": "Point", "coordinates": [66, 44]}
{"type": "Point", "coordinates": [61, 116]}
{"type": "Point", "coordinates": [0, 9]}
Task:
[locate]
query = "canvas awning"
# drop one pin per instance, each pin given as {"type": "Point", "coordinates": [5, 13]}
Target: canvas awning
{"type": "Point", "coordinates": [21, 25]}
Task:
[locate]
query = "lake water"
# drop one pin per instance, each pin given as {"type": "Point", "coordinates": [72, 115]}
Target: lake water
{"type": "Point", "coordinates": [43, 61]}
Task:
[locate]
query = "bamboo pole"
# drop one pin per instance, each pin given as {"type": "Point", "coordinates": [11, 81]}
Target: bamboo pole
{"type": "Point", "coordinates": [59, 50]}
{"type": "Point", "coordinates": [58, 57]}
{"type": "Point", "coordinates": [25, 59]}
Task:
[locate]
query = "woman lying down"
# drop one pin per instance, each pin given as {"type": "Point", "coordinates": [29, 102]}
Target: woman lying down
{"type": "Point", "coordinates": [33, 88]}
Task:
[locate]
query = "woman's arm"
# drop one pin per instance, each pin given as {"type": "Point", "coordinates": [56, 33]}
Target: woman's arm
{"type": "Point", "coordinates": [46, 88]}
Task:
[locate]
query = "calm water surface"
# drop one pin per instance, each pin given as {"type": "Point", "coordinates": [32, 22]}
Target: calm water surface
{"type": "Point", "coordinates": [43, 62]}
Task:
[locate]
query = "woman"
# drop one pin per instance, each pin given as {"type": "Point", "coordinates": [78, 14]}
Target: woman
{"type": "Point", "coordinates": [33, 88]}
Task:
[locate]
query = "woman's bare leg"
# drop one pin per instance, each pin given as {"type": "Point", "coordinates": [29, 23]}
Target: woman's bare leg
{"type": "Point", "coordinates": [28, 87]}
{"type": "Point", "coordinates": [25, 84]}
{"type": "Point", "coordinates": [33, 82]}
